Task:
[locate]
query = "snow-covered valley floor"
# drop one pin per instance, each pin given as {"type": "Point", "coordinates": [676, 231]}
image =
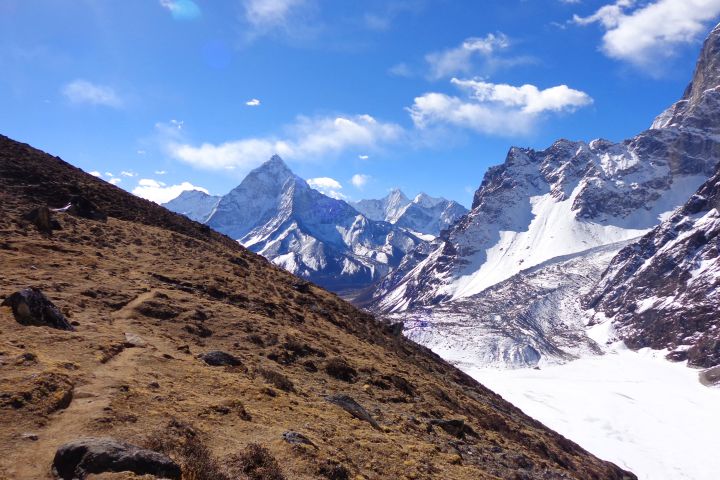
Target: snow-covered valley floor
{"type": "Point", "coordinates": [635, 409]}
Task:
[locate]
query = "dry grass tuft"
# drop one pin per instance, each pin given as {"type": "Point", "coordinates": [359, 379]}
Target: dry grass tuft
{"type": "Point", "coordinates": [255, 462]}
{"type": "Point", "coordinates": [277, 379]}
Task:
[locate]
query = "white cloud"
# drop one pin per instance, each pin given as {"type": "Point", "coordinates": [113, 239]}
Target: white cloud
{"type": "Point", "coordinates": [95, 173]}
{"type": "Point", "coordinates": [363, 157]}
{"type": "Point", "coordinates": [495, 108]}
{"type": "Point", "coordinates": [253, 102]}
{"type": "Point", "coordinates": [115, 181]}
{"type": "Point", "coordinates": [268, 14]}
{"type": "Point", "coordinates": [109, 174]}
{"type": "Point", "coordinates": [307, 139]}
{"type": "Point", "coordinates": [327, 186]}
{"type": "Point", "coordinates": [359, 180]}
{"type": "Point", "coordinates": [84, 92]}
{"type": "Point", "coordinates": [461, 59]}
{"type": "Point", "coordinates": [125, 173]}
{"type": "Point", "coordinates": [645, 33]}
{"type": "Point", "coordinates": [141, 152]}
{"type": "Point", "coordinates": [159, 192]}
{"type": "Point", "coordinates": [160, 172]}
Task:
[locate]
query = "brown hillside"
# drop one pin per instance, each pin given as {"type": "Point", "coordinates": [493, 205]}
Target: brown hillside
{"type": "Point", "coordinates": [149, 291]}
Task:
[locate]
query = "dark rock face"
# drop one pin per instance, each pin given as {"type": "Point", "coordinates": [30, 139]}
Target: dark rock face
{"type": "Point", "coordinates": [31, 307]}
{"type": "Point", "coordinates": [220, 359]}
{"type": "Point", "coordinates": [41, 217]}
{"type": "Point", "coordinates": [75, 460]}
{"type": "Point", "coordinates": [664, 290]}
{"type": "Point", "coordinates": [349, 404]}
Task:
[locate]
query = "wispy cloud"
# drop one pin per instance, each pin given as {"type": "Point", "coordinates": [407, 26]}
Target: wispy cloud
{"type": "Point", "coordinates": [328, 186]}
{"type": "Point", "coordinates": [182, 9]}
{"type": "Point", "coordinates": [287, 17]}
{"type": "Point", "coordinates": [475, 55]}
{"type": "Point", "coordinates": [496, 109]}
{"type": "Point", "coordinates": [401, 70]}
{"type": "Point", "coordinates": [645, 33]}
{"type": "Point", "coordinates": [308, 139]}
{"type": "Point", "coordinates": [253, 102]}
{"type": "Point", "coordinates": [84, 92]}
{"type": "Point", "coordinates": [160, 192]}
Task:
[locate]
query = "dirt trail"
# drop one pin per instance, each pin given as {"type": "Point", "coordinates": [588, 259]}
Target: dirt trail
{"type": "Point", "coordinates": [88, 405]}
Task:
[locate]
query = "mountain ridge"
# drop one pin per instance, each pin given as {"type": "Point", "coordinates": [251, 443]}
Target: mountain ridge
{"type": "Point", "coordinates": [567, 198]}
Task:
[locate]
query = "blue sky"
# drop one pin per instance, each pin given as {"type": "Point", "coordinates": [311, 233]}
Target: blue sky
{"type": "Point", "coordinates": [161, 95]}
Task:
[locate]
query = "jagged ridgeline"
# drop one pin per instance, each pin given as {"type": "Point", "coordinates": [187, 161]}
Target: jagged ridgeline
{"type": "Point", "coordinates": [183, 353]}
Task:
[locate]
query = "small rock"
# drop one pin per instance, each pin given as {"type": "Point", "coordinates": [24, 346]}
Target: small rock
{"type": "Point", "coordinates": [26, 359]}
{"type": "Point", "coordinates": [349, 404]}
{"type": "Point", "coordinates": [219, 359]}
{"type": "Point", "coordinates": [134, 340]}
{"type": "Point", "coordinates": [31, 307]}
{"type": "Point", "coordinates": [456, 428]}
{"type": "Point", "coordinates": [295, 438]}
{"type": "Point", "coordinates": [77, 459]}
{"type": "Point", "coordinates": [30, 436]}
{"type": "Point", "coordinates": [395, 329]}
{"type": "Point", "coordinates": [710, 377]}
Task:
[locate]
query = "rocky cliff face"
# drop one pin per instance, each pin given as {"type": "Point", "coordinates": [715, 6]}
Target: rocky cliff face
{"type": "Point", "coordinates": [663, 291]}
{"type": "Point", "coordinates": [568, 198]}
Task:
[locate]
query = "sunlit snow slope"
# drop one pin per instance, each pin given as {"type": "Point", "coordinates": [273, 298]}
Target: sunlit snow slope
{"type": "Point", "coordinates": [635, 409]}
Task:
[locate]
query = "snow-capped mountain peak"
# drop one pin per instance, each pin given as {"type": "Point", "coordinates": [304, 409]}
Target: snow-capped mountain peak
{"type": "Point", "coordinates": [277, 214]}
{"type": "Point", "coordinates": [423, 214]}
{"type": "Point", "coordinates": [194, 204]}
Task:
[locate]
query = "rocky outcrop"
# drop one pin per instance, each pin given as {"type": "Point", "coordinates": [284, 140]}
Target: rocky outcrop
{"type": "Point", "coordinates": [31, 307]}
{"type": "Point", "coordinates": [349, 404]}
{"type": "Point", "coordinates": [78, 459]}
{"type": "Point", "coordinates": [220, 359]}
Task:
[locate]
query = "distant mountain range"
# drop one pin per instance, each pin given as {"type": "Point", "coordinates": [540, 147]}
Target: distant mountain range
{"type": "Point", "coordinates": [328, 241]}
{"type": "Point", "coordinates": [424, 214]}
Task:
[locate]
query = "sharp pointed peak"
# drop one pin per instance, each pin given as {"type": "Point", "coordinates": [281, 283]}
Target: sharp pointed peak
{"type": "Point", "coordinates": [396, 192]}
{"type": "Point", "coordinates": [276, 159]}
